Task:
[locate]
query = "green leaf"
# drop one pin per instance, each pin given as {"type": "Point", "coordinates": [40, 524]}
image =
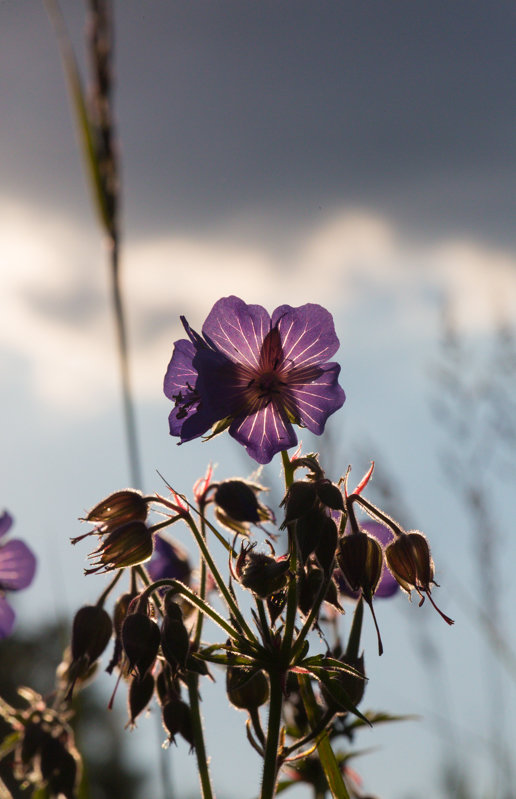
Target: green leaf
{"type": "Point", "coordinates": [83, 123]}
{"type": "Point", "coordinates": [9, 743]}
{"type": "Point", "coordinates": [339, 695]}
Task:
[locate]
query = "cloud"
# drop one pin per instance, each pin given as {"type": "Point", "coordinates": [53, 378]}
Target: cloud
{"type": "Point", "coordinates": [57, 319]}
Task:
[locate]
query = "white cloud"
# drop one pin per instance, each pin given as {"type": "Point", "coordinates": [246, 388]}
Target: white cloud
{"type": "Point", "coordinates": [57, 319]}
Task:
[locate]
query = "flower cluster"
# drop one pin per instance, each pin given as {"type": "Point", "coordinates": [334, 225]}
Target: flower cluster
{"type": "Point", "coordinates": [256, 376]}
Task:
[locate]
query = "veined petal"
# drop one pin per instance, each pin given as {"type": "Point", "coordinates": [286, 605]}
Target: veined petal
{"type": "Point", "coordinates": [17, 565]}
{"type": "Point", "coordinates": [7, 617]}
{"type": "Point", "coordinates": [307, 333]}
{"type": "Point", "coordinates": [264, 433]}
{"type": "Point", "coordinates": [313, 394]}
{"type": "Point", "coordinates": [190, 417]}
{"type": "Point", "coordinates": [237, 330]}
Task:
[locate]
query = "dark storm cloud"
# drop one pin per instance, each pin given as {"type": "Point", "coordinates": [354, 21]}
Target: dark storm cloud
{"type": "Point", "coordinates": [292, 106]}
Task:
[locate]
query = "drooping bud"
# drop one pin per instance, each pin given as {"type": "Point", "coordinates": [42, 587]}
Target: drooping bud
{"type": "Point", "coordinates": [119, 508]}
{"type": "Point", "coordinates": [237, 505]}
{"type": "Point", "coordinates": [140, 639]}
{"type": "Point", "coordinates": [327, 545]}
{"type": "Point", "coordinates": [260, 573]}
{"type": "Point", "coordinates": [91, 631]}
{"type": "Point", "coordinates": [247, 688]}
{"type": "Point", "coordinates": [177, 718]}
{"type": "Point", "coordinates": [125, 546]}
{"type": "Point", "coordinates": [175, 641]}
{"type": "Point", "coordinates": [298, 501]}
{"type": "Point", "coordinates": [329, 494]}
{"type": "Point", "coordinates": [140, 694]}
{"type": "Point", "coordinates": [360, 558]}
{"type": "Point", "coordinates": [410, 562]}
{"type": "Point", "coordinates": [92, 628]}
{"type": "Point", "coordinates": [309, 529]}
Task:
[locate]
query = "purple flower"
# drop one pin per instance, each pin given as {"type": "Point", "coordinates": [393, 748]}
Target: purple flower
{"type": "Point", "coordinates": [17, 567]}
{"type": "Point", "coordinates": [169, 560]}
{"type": "Point", "coordinates": [256, 375]}
{"type": "Point", "coordinates": [387, 585]}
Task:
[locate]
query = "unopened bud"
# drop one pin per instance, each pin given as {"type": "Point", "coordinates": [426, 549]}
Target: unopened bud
{"type": "Point", "coordinates": [410, 562]}
{"type": "Point", "coordinates": [329, 494]}
{"type": "Point", "coordinates": [119, 508]}
{"type": "Point", "coordinates": [175, 641]}
{"type": "Point", "coordinates": [360, 558]}
{"type": "Point", "coordinates": [260, 573]}
{"type": "Point", "coordinates": [177, 718]}
{"type": "Point", "coordinates": [298, 501]}
{"type": "Point", "coordinates": [140, 694]}
{"type": "Point", "coordinates": [141, 640]}
{"type": "Point", "coordinates": [247, 688]}
{"type": "Point", "coordinates": [125, 546]}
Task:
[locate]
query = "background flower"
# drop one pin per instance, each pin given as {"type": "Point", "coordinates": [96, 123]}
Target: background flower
{"type": "Point", "coordinates": [17, 568]}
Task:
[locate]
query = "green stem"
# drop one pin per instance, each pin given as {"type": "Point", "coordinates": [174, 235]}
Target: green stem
{"type": "Point", "coordinates": [233, 607]}
{"type": "Point", "coordinates": [270, 764]}
{"type": "Point", "coordinates": [198, 735]}
{"type": "Point", "coordinates": [355, 632]}
{"type": "Point", "coordinates": [123, 357]}
{"type": "Point", "coordinates": [199, 603]}
{"type": "Point", "coordinates": [326, 755]}
{"type": "Point", "coordinates": [307, 626]}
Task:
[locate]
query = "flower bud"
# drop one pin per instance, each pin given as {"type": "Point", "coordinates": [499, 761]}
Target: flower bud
{"type": "Point", "coordinates": [177, 718]}
{"type": "Point", "coordinates": [119, 508]}
{"type": "Point", "coordinates": [351, 684]}
{"type": "Point", "coordinates": [408, 558]}
{"type": "Point", "coordinates": [140, 694]}
{"type": "Point", "coordinates": [360, 559]}
{"type": "Point", "coordinates": [92, 628]}
{"type": "Point", "coordinates": [237, 499]}
{"type": "Point", "coordinates": [125, 546]}
{"type": "Point", "coordinates": [175, 641]}
{"type": "Point", "coordinates": [410, 562]}
{"type": "Point", "coordinates": [260, 573]}
{"type": "Point", "coordinates": [329, 494]}
{"type": "Point", "coordinates": [247, 688]}
{"type": "Point", "coordinates": [298, 501]}
{"type": "Point", "coordinates": [327, 545]}
{"type": "Point", "coordinates": [309, 529]}
{"type": "Point", "coordinates": [141, 640]}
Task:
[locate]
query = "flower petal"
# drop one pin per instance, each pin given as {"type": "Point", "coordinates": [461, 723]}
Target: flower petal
{"type": "Point", "coordinates": [237, 330]}
{"type": "Point", "coordinates": [169, 560]}
{"type": "Point", "coordinates": [17, 565]}
{"type": "Point", "coordinates": [190, 417]}
{"type": "Point", "coordinates": [307, 333]}
{"type": "Point", "coordinates": [6, 521]}
{"type": "Point", "coordinates": [7, 617]}
{"type": "Point", "coordinates": [314, 394]}
{"type": "Point", "coordinates": [264, 433]}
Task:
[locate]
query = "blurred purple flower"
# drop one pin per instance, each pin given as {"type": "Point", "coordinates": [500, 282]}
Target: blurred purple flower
{"type": "Point", "coordinates": [169, 560]}
{"type": "Point", "coordinates": [17, 568]}
{"type": "Point", "coordinates": [387, 585]}
{"type": "Point", "coordinates": [256, 375]}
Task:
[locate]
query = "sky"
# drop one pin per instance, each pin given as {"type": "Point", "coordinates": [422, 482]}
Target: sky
{"type": "Point", "coordinates": [359, 155]}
